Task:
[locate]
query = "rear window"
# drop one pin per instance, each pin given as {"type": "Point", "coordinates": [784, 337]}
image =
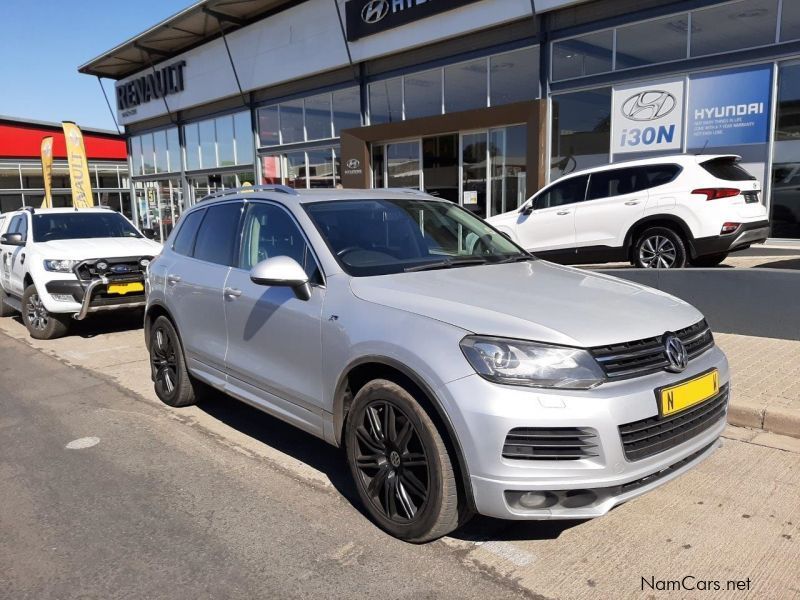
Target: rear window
{"type": "Point", "coordinates": [187, 231]}
{"type": "Point", "coordinates": [726, 168]}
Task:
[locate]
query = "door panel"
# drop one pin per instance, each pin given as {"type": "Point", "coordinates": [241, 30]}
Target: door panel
{"type": "Point", "coordinates": [275, 338]}
{"type": "Point", "coordinates": [551, 225]}
{"type": "Point", "coordinates": [615, 200]}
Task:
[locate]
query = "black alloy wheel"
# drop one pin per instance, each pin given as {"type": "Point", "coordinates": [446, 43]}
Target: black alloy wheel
{"type": "Point", "coordinates": [172, 382]}
{"type": "Point", "coordinates": [391, 461]}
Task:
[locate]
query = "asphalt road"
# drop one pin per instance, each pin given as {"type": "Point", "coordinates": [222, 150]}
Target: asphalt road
{"type": "Point", "coordinates": [157, 509]}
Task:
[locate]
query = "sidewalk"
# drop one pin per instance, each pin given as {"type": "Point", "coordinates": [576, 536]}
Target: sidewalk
{"type": "Point", "coordinates": [766, 382]}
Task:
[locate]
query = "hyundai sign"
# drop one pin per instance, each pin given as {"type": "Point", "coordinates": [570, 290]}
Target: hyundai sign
{"type": "Point", "coordinates": [647, 117]}
{"type": "Point", "coordinates": [365, 17]}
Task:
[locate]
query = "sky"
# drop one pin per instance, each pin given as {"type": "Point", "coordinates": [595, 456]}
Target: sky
{"type": "Point", "coordinates": [43, 42]}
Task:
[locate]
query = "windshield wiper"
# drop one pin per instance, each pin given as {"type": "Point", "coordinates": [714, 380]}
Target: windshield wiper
{"type": "Point", "coordinates": [515, 258]}
{"type": "Point", "coordinates": [448, 263]}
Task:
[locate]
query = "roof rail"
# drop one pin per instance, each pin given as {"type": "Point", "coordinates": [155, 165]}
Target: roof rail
{"type": "Point", "coordinates": [284, 189]}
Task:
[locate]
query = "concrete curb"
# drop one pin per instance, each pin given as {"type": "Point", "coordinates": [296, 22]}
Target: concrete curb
{"type": "Point", "coordinates": [774, 419]}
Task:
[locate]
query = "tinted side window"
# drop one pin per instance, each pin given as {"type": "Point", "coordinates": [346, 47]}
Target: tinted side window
{"type": "Point", "coordinates": [270, 231]}
{"type": "Point", "coordinates": [216, 239]}
{"type": "Point", "coordinates": [187, 232]}
{"type": "Point", "coordinates": [19, 224]}
{"type": "Point", "coordinates": [564, 192]}
{"type": "Point", "coordinates": [615, 182]}
{"type": "Point", "coordinates": [656, 175]}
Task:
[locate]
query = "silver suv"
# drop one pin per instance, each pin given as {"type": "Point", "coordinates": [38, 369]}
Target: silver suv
{"type": "Point", "coordinates": [458, 380]}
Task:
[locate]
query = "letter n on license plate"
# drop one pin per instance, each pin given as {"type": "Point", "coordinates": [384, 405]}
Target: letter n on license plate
{"type": "Point", "coordinates": [675, 398]}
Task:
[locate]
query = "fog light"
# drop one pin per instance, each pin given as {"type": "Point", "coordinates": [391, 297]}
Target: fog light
{"type": "Point", "coordinates": [537, 499]}
{"type": "Point", "coordinates": [101, 266]}
{"type": "Point", "coordinates": [577, 498]}
{"type": "Point", "coordinates": [729, 227]}
{"type": "Point", "coordinates": [63, 297]}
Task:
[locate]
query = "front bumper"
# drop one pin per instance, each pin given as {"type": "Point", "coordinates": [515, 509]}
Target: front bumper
{"type": "Point", "coordinates": [483, 413]}
{"type": "Point", "coordinates": [756, 232]}
{"type": "Point", "coordinates": [90, 297]}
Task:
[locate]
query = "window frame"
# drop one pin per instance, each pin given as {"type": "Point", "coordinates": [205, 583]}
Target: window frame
{"type": "Point", "coordinates": [237, 235]}
{"type": "Point", "coordinates": [548, 188]}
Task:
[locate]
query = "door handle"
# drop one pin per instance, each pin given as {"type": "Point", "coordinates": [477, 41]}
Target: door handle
{"type": "Point", "coordinates": [563, 212]}
{"type": "Point", "coordinates": [173, 279]}
{"type": "Point", "coordinates": [232, 293]}
{"type": "Point", "coordinates": [22, 259]}
{"type": "Point", "coordinates": [631, 203]}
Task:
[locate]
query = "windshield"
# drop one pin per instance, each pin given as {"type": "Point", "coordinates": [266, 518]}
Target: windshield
{"type": "Point", "coordinates": [76, 225]}
{"type": "Point", "coordinates": [377, 237]}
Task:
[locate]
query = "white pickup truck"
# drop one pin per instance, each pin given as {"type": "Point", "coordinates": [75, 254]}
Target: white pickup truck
{"type": "Point", "coordinates": [60, 264]}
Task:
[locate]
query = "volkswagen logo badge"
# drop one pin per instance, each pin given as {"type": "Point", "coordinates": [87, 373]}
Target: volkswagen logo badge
{"type": "Point", "coordinates": [353, 163]}
{"type": "Point", "coordinates": [677, 356]}
{"type": "Point", "coordinates": [374, 11]}
{"type": "Point", "coordinates": [649, 105]}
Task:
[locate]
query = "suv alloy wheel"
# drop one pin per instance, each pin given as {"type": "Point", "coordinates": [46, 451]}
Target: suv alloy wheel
{"type": "Point", "coordinates": [173, 384]}
{"type": "Point", "coordinates": [659, 248]}
{"type": "Point", "coordinates": [400, 464]}
{"type": "Point", "coordinates": [41, 324]}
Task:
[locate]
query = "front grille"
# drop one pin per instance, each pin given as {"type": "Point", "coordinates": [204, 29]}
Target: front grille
{"type": "Point", "coordinates": [118, 269]}
{"type": "Point", "coordinates": [643, 357]}
{"type": "Point", "coordinates": [653, 477]}
{"type": "Point", "coordinates": [650, 436]}
{"type": "Point", "coordinates": [550, 443]}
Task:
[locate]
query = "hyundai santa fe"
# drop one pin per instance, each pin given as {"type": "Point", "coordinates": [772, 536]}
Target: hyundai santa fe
{"type": "Point", "coordinates": [460, 373]}
{"type": "Point", "coordinates": [660, 213]}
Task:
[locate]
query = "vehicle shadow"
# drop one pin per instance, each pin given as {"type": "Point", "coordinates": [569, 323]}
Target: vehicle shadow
{"type": "Point", "coordinates": [791, 263]}
{"type": "Point", "coordinates": [100, 324]}
{"type": "Point", "coordinates": [332, 463]}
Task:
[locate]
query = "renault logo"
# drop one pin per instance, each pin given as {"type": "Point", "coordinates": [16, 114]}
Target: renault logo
{"type": "Point", "coordinates": [648, 105]}
{"type": "Point", "coordinates": [353, 164]}
{"type": "Point", "coordinates": [676, 353]}
{"type": "Point", "coordinates": [374, 11]}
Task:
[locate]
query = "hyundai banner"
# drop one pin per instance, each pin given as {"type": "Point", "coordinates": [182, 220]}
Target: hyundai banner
{"type": "Point", "coordinates": [729, 108]}
{"type": "Point", "coordinates": [646, 118]}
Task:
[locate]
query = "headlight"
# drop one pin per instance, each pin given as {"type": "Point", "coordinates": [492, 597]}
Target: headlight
{"type": "Point", "coordinates": [60, 266]}
{"type": "Point", "coordinates": [518, 362]}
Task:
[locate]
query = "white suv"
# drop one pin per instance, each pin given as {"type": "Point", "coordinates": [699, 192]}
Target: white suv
{"type": "Point", "coordinates": [62, 263]}
{"type": "Point", "coordinates": [659, 213]}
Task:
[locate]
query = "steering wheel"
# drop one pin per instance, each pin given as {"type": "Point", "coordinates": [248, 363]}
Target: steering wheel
{"type": "Point", "coordinates": [347, 250]}
{"type": "Point", "coordinates": [482, 244]}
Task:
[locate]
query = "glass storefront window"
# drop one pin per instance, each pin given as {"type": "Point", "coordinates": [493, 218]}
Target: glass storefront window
{"type": "Point", "coordinates": [320, 168]}
{"type": "Point", "coordinates": [440, 166]}
{"type": "Point", "coordinates": [785, 205]}
{"type": "Point", "coordinates": [160, 145]}
{"type": "Point", "coordinates": [422, 94]}
{"type": "Point", "coordinates": [32, 177]}
{"type": "Point", "coordinates": [743, 24]}
{"type": "Point", "coordinates": [291, 118]}
{"type": "Point", "coordinates": [243, 134]}
{"type": "Point", "coordinates": [268, 126]}
{"type": "Point", "coordinates": [402, 165]}
{"type": "Point", "coordinates": [650, 42]}
{"type": "Point", "coordinates": [377, 166]}
{"type": "Point", "coordinates": [208, 152]}
{"type": "Point", "coordinates": [514, 76]}
{"type": "Point", "coordinates": [192, 141]}
{"type": "Point", "coordinates": [346, 109]}
{"type": "Point", "coordinates": [173, 150]}
{"type": "Point", "coordinates": [147, 153]}
{"type": "Point", "coordinates": [585, 55]}
{"type": "Point", "coordinates": [295, 169]}
{"type": "Point", "coordinates": [580, 131]}
{"type": "Point", "coordinates": [318, 117]}
{"type": "Point", "coordinates": [10, 202]}
{"type": "Point", "coordinates": [790, 21]}
{"type": "Point", "coordinates": [386, 101]}
{"type": "Point", "coordinates": [507, 153]}
{"type": "Point", "coordinates": [473, 172]}
{"type": "Point", "coordinates": [271, 169]}
{"type": "Point", "coordinates": [465, 86]}
{"type": "Point", "coordinates": [136, 154]}
{"type": "Point", "coordinates": [107, 178]}
{"type": "Point", "coordinates": [224, 127]}
{"type": "Point", "coordinates": [9, 178]}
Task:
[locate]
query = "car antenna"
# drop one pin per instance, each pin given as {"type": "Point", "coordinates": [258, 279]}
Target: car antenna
{"type": "Point", "coordinates": [703, 149]}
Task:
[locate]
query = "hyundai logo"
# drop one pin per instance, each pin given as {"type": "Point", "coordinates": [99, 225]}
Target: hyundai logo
{"type": "Point", "coordinates": [676, 353]}
{"type": "Point", "coordinates": [353, 163]}
{"type": "Point", "coordinates": [649, 105]}
{"type": "Point", "coordinates": [374, 11]}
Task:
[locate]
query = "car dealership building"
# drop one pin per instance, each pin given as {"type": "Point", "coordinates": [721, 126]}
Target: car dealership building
{"type": "Point", "coordinates": [481, 102]}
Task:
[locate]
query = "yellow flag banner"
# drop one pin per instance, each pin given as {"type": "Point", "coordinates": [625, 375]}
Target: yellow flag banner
{"type": "Point", "coordinates": [47, 171]}
{"type": "Point", "coordinates": [78, 166]}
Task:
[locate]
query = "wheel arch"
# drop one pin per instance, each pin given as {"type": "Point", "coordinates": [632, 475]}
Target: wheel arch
{"type": "Point", "coordinates": [661, 220]}
{"type": "Point", "coordinates": [365, 369]}
{"type": "Point", "coordinates": [152, 313]}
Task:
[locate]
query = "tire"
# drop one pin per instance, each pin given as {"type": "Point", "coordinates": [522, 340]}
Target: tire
{"type": "Point", "coordinates": [400, 464]}
{"type": "Point", "coordinates": [41, 324]}
{"type": "Point", "coordinates": [709, 260]}
{"type": "Point", "coordinates": [172, 382]}
{"type": "Point", "coordinates": [5, 309]}
{"type": "Point", "coordinates": [659, 248]}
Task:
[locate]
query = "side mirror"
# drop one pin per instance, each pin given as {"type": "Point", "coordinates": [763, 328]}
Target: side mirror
{"type": "Point", "coordinates": [282, 271]}
{"type": "Point", "coordinates": [12, 239]}
{"type": "Point", "coordinates": [149, 233]}
{"type": "Point", "coordinates": [527, 209]}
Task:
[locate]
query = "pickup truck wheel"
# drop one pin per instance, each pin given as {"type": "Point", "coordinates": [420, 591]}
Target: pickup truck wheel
{"type": "Point", "coordinates": [400, 464]}
{"type": "Point", "coordinates": [659, 248]}
{"type": "Point", "coordinates": [5, 309]}
{"type": "Point", "coordinates": [709, 260]}
{"type": "Point", "coordinates": [173, 384]}
{"type": "Point", "coordinates": [41, 324]}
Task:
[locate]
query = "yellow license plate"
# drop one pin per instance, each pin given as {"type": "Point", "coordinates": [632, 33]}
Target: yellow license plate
{"type": "Point", "coordinates": [675, 398]}
{"type": "Point", "coordinates": [125, 288]}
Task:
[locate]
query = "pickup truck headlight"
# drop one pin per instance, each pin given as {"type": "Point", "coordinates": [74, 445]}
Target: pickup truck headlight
{"type": "Point", "coordinates": [518, 362]}
{"type": "Point", "coordinates": [60, 266]}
